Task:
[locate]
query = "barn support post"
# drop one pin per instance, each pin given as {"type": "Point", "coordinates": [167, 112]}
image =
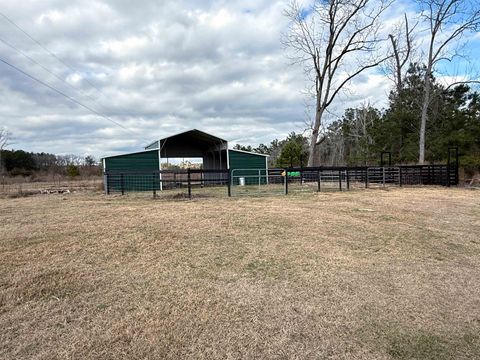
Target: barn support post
{"type": "Point", "coordinates": [189, 182]}
{"type": "Point", "coordinates": [122, 183]}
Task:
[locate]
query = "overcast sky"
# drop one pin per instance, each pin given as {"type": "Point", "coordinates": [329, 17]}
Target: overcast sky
{"type": "Point", "coordinates": [156, 68]}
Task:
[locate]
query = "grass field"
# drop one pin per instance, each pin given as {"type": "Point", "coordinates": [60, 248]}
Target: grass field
{"type": "Point", "coordinates": [370, 274]}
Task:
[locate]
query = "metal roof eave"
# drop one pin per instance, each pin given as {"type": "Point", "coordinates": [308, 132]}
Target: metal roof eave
{"type": "Point", "coordinates": [249, 152]}
{"type": "Point", "coordinates": [130, 153]}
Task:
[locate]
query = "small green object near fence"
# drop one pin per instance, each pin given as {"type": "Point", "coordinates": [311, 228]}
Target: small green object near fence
{"type": "Point", "coordinates": [294, 173]}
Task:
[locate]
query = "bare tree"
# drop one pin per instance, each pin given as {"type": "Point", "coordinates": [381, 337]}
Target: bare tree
{"type": "Point", "coordinates": [5, 137]}
{"type": "Point", "coordinates": [401, 40]}
{"type": "Point", "coordinates": [448, 21]}
{"type": "Point", "coordinates": [335, 41]}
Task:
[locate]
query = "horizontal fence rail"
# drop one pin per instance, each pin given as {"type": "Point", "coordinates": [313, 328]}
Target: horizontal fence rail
{"type": "Point", "coordinates": [238, 182]}
{"type": "Point", "coordinates": [20, 186]}
{"type": "Point", "coordinates": [179, 183]}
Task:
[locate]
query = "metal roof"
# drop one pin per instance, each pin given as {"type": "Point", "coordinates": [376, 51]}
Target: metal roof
{"type": "Point", "coordinates": [202, 135]}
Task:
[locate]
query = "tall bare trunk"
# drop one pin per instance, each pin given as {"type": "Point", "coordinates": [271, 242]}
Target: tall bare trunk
{"type": "Point", "coordinates": [423, 124]}
{"type": "Point", "coordinates": [426, 102]}
{"type": "Point", "coordinates": [316, 129]}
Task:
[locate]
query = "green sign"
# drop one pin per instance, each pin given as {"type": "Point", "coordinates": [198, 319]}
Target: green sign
{"type": "Point", "coordinates": [294, 173]}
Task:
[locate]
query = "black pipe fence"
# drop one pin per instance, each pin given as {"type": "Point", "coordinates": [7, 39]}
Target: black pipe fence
{"type": "Point", "coordinates": [179, 183]}
{"type": "Point", "coordinates": [201, 182]}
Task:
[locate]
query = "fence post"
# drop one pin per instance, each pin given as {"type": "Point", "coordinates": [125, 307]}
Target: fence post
{"type": "Point", "coordinates": [107, 184]}
{"type": "Point", "coordinates": [259, 180]}
{"type": "Point", "coordinates": [229, 183]}
{"type": "Point", "coordinates": [122, 181]}
{"type": "Point", "coordinates": [189, 183]}
{"type": "Point", "coordinates": [400, 176]}
{"type": "Point", "coordinates": [383, 176]}
{"type": "Point", "coordinates": [366, 177]}
{"type": "Point", "coordinates": [286, 181]}
{"type": "Point", "coordinates": [348, 179]}
{"type": "Point", "coordinates": [340, 180]}
{"type": "Point", "coordinates": [153, 186]}
{"type": "Point", "coordinates": [318, 179]}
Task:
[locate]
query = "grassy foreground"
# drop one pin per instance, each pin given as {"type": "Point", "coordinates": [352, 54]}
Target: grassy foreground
{"type": "Point", "coordinates": [368, 274]}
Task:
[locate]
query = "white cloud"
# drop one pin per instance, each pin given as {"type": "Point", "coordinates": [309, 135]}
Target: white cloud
{"type": "Point", "coordinates": [157, 67]}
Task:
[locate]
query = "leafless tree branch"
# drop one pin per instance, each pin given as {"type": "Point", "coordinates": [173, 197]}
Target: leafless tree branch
{"type": "Point", "coordinates": [328, 38]}
{"type": "Point", "coordinates": [448, 21]}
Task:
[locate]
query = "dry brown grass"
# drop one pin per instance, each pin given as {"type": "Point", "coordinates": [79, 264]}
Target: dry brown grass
{"type": "Point", "coordinates": [353, 275]}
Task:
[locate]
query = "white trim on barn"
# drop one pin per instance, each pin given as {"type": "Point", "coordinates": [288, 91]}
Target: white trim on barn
{"type": "Point", "coordinates": [105, 179]}
{"type": "Point", "coordinates": [160, 165]}
{"type": "Point", "coordinates": [249, 152]}
{"type": "Point", "coordinates": [266, 169]}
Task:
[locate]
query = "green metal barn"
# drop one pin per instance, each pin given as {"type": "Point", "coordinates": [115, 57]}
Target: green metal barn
{"type": "Point", "coordinates": [194, 143]}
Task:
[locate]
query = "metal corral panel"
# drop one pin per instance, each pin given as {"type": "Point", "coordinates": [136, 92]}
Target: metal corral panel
{"type": "Point", "coordinates": [241, 162]}
{"type": "Point", "coordinates": [139, 162]}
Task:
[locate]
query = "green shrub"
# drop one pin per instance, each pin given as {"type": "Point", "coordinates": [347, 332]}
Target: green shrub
{"type": "Point", "coordinates": [72, 171]}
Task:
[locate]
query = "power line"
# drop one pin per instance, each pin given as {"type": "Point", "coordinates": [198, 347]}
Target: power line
{"type": "Point", "coordinates": [47, 50]}
{"type": "Point", "coordinates": [56, 57]}
{"type": "Point", "coordinates": [46, 69]}
{"type": "Point", "coordinates": [65, 95]}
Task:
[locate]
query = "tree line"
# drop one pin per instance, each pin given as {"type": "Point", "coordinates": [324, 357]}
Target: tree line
{"type": "Point", "coordinates": [23, 163]}
{"type": "Point", "coordinates": [336, 41]}
{"type": "Point", "coordinates": [364, 132]}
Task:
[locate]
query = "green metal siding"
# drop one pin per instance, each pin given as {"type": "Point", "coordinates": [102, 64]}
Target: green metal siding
{"type": "Point", "coordinates": [247, 165]}
{"type": "Point", "coordinates": [130, 172]}
{"type": "Point", "coordinates": [143, 161]}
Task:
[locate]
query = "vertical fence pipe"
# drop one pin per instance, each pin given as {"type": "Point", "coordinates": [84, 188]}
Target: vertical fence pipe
{"type": "Point", "coordinates": [318, 181]}
{"type": "Point", "coordinates": [400, 176]}
{"type": "Point", "coordinates": [366, 178]}
{"type": "Point", "coordinates": [340, 180]}
{"type": "Point", "coordinates": [107, 183]}
{"type": "Point", "coordinates": [229, 183]}
{"type": "Point", "coordinates": [457, 176]}
{"type": "Point", "coordinates": [348, 179]}
{"type": "Point", "coordinates": [153, 186]}
{"type": "Point", "coordinates": [122, 183]}
{"type": "Point", "coordinates": [259, 180]}
{"type": "Point", "coordinates": [189, 184]}
{"type": "Point", "coordinates": [383, 176]}
{"type": "Point", "coordinates": [286, 182]}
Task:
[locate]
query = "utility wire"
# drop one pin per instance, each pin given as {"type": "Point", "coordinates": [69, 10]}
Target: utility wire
{"type": "Point", "coordinates": [65, 95]}
{"type": "Point", "coordinates": [47, 50]}
{"type": "Point", "coordinates": [46, 69]}
{"type": "Point", "coordinates": [56, 57]}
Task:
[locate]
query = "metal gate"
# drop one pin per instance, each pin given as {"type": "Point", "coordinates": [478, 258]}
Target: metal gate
{"type": "Point", "coordinates": [383, 176]}
{"type": "Point", "coordinates": [257, 182]}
